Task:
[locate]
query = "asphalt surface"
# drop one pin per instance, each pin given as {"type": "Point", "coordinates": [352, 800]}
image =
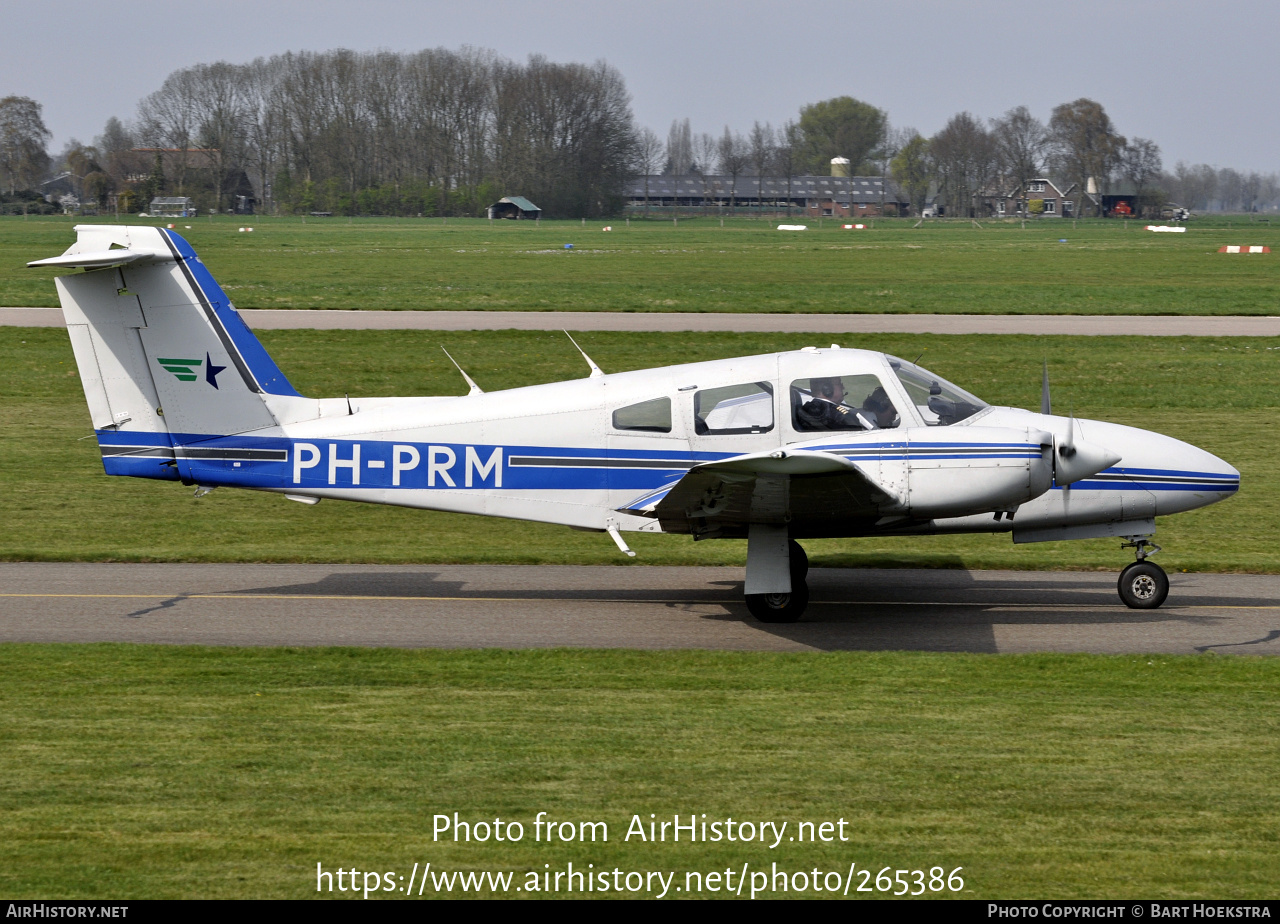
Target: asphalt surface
{"type": "Point", "coordinates": [1127, 326]}
{"type": "Point", "coordinates": [512, 606]}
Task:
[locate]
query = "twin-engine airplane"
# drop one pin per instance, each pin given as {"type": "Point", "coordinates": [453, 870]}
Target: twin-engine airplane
{"type": "Point", "coordinates": [804, 444]}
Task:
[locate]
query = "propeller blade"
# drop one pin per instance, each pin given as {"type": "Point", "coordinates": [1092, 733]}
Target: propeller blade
{"type": "Point", "coordinates": [1045, 406]}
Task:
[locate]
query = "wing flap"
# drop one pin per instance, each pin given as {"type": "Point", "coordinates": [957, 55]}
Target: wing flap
{"type": "Point", "coordinates": [780, 486]}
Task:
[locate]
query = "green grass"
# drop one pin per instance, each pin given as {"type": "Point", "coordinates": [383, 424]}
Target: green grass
{"type": "Point", "coordinates": [163, 772]}
{"type": "Point", "coordinates": [1104, 267]}
{"type": "Point", "coordinates": [58, 505]}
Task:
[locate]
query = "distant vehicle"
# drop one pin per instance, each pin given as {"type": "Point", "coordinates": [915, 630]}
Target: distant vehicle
{"type": "Point", "coordinates": [1173, 212]}
{"type": "Point", "coordinates": [929, 211]}
{"type": "Point", "coordinates": [772, 449]}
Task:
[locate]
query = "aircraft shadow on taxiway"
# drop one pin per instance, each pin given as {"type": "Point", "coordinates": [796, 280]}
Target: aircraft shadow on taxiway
{"type": "Point", "coordinates": [852, 609]}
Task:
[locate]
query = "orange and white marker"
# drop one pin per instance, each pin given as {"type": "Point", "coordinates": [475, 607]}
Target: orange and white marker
{"type": "Point", "coordinates": [1243, 248]}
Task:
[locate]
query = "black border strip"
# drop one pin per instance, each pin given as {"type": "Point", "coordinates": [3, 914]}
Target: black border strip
{"type": "Point", "coordinates": [212, 316]}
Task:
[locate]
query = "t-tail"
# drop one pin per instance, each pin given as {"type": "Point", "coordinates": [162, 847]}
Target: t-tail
{"type": "Point", "coordinates": [169, 368]}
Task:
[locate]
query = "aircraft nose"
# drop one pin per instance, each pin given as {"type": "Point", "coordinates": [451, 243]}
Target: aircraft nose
{"type": "Point", "coordinates": [1180, 475]}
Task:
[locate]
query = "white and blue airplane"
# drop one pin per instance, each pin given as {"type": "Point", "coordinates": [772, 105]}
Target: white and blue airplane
{"type": "Point", "coordinates": [772, 449]}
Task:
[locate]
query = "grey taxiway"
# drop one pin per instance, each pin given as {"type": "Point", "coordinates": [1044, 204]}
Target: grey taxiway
{"type": "Point", "coordinates": [513, 606]}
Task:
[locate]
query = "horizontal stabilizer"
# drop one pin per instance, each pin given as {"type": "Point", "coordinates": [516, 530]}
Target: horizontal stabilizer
{"type": "Point", "coordinates": [101, 259]}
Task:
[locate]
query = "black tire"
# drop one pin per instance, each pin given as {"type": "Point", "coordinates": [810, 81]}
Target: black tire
{"type": "Point", "coordinates": [799, 561]}
{"type": "Point", "coordinates": [1143, 585]}
{"type": "Point", "coordinates": [777, 608]}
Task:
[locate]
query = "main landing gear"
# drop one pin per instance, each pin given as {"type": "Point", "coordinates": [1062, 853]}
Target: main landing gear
{"type": "Point", "coordinates": [1143, 585]}
{"type": "Point", "coordinates": [785, 607]}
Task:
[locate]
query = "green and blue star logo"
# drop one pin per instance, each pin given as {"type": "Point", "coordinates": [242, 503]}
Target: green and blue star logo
{"type": "Point", "coordinates": [186, 370]}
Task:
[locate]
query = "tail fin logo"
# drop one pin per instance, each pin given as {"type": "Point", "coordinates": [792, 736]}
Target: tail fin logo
{"type": "Point", "coordinates": [183, 369]}
{"type": "Point", "coordinates": [186, 370]}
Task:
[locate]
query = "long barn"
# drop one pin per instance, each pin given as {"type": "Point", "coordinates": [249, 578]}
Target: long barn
{"type": "Point", "coordinates": [813, 196]}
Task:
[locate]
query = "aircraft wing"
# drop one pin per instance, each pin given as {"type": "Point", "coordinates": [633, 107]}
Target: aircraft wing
{"type": "Point", "coordinates": [803, 487]}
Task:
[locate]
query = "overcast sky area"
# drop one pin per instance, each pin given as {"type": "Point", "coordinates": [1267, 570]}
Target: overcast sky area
{"type": "Point", "coordinates": [1195, 77]}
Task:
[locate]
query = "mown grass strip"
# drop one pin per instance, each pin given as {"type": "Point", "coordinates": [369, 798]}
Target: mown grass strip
{"type": "Point", "coordinates": [1050, 267]}
{"type": "Point", "coordinates": [139, 771]}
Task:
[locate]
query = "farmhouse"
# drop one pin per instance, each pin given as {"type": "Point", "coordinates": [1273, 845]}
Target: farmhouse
{"type": "Point", "coordinates": [1004, 200]}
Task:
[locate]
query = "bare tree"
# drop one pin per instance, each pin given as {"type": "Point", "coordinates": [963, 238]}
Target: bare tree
{"type": "Point", "coordinates": [912, 170]}
{"type": "Point", "coordinates": [964, 158]}
{"type": "Point", "coordinates": [1140, 164]}
{"type": "Point", "coordinates": [1195, 185]}
{"type": "Point", "coordinates": [680, 148]}
{"type": "Point", "coordinates": [1022, 142]}
{"type": "Point", "coordinates": [895, 139]}
{"type": "Point", "coordinates": [1086, 145]}
{"type": "Point", "coordinates": [219, 91]}
{"type": "Point", "coordinates": [432, 130]}
{"type": "Point", "coordinates": [705, 148]}
{"type": "Point", "coordinates": [649, 152]}
{"type": "Point", "coordinates": [786, 154]}
{"type": "Point", "coordinates": [23, 137]}
{"type": "Point", "coordinates": [734, 156]}
{"type": "Point", "coordinates": [761, 153]}
{"type": "Point", "coordinates": [168, 120]}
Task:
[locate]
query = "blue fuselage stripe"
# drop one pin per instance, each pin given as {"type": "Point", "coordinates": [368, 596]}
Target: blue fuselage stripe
{"type": "Point", "coordinates": [282, 462]}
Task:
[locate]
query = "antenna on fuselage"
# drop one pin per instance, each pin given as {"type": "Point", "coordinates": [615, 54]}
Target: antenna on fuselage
{"type": "Point", "coordinates": [475, 389]}
{"type": "Point", "coordinates": [596, 371]}
{"type": "Point", "coordinates": [1045, 404]}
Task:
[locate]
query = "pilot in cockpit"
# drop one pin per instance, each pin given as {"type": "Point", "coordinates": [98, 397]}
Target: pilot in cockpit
{"type": "Point", "coordinates": [829, 406]}
{"type": "Point", "coordinates": [826, 410]}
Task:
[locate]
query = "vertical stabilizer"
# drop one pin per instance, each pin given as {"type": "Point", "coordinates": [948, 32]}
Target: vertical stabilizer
{"type": "Point", "coordinates": [164, 358]}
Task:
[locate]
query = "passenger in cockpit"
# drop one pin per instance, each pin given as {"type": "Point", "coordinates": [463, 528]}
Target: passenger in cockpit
{"type": "Point", "coordinates": [879, 409]}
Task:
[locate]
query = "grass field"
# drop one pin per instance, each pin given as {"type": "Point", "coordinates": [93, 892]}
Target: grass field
{"type": "Point", "coordinates": [135, 771]}
{"type": "Point", "coordinates": [58, 504]}
{"type": "Point", "coordinates": [1102, 267]}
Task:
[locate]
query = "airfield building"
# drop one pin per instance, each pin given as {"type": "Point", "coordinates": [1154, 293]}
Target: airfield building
{"type": "Point", "coordinates": [811, 196]}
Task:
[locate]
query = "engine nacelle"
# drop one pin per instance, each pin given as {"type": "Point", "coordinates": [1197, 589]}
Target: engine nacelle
{"type": "Point", "coordinates": [958, 471]}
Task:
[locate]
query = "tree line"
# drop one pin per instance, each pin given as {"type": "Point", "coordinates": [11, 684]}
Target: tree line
{"type": "Point", "coordinates": [966, 165]}
{"type": "Point", "coordinates": [967, 161]}
{"type": "Point", "coordinates": [435, 132]}
{"type": "Point", "coordinates": [444, 132]}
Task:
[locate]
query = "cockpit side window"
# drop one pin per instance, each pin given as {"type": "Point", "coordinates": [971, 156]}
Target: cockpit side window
{"type": "Point", "coordinates": [746, 408]}
{"type": "Point", "coordinates": [940, 403]}
{"type": "Point", "coordinates": [846, 402]}
{"type": "Point", "coordinates": [650, 416]}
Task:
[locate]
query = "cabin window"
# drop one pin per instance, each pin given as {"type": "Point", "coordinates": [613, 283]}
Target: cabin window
{"type": "Point", "coordinates": [843, 402]}
{"type": "Point", "coordinates": [746, 408]}
{"type": "Point", "coordinates": [940, 403]}
{"type": "Point", "coordinates": [650, 416]}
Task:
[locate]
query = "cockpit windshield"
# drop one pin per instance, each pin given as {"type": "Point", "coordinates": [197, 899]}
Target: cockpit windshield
{"type": "Point", "coordinates": [940, 403]}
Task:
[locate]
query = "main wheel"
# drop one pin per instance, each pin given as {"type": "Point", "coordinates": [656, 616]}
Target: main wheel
{"type": "Point", "coordinates": [780, 607]}
{"type": "Point", "coordinates": [799, 561]}
{"type": "Point", "coordinates": [1143, 585]}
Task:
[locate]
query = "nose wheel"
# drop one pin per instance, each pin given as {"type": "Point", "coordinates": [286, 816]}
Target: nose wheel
{"type": "Point", "coordinates": [1143, 585]}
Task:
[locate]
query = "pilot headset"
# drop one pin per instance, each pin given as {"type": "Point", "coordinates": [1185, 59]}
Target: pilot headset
{"type": "Point", "coordinates": [827, 389]}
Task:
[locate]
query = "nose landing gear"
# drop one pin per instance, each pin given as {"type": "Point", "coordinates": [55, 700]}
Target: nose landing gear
{"type": "Point", "coordinates": [1143, 585]}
